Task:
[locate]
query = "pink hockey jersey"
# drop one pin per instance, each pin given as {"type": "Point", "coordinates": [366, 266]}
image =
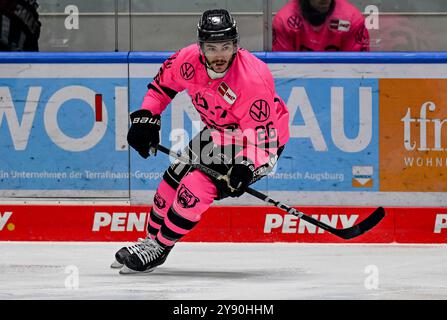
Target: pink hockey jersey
{"type": "Point", "coordinates": [343, 30]}
{"type": "Point", "coordinates": [242, 106]}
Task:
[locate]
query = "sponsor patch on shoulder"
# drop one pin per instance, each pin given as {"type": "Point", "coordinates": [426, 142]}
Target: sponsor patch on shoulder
{"type": "Point", "coordinates": [226, 92]}
{"type": "Point", "coordinates": [340, 25]}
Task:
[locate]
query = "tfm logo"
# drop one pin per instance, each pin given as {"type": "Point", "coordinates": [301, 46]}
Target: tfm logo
{"type": "Point", "coordinates": [20, 129]}
{"type": "Point", "coordinates": [4, 218]}
{"type": "Point", "coordinates": [427, 128]}
{"type": "Point", "coordinates": [120, 221]}
{"type": "Point", "coordinates": [440, 223]}
{"type": "Point", "coordinates": [292, 224]}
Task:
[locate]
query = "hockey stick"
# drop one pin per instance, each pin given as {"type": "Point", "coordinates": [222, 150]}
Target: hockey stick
{"type": "Point", "coordinates": [348, 233]}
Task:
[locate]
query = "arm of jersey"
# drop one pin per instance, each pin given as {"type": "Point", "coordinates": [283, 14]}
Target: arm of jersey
{"type": "Point", "coordinates": [283, 39]}
{"type": "Point", "coordinates": [358, 38]}
{"type": "Point", "coordinates": [164, 87]}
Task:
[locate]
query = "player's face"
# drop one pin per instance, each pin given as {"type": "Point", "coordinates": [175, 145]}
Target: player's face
{"type": "Point", "coordinates": [321, 6]}
{"type": "Point", "coordinates": [219, 54]}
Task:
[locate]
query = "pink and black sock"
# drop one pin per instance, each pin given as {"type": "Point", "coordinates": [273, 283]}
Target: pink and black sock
{"type": "Point", "coordinates": [174, 227]}
{"type": "Point", "coordinates": [163, 199]}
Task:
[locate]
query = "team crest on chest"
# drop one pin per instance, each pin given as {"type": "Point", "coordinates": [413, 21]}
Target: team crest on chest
{"type": "Point", "coordinates": [226, 93]}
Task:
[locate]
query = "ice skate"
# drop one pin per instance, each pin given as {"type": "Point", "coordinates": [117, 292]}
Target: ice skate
{"type": "Point", "coordinates": [124, 252]}
{"type": "Point", "coordinates": [145, 258]}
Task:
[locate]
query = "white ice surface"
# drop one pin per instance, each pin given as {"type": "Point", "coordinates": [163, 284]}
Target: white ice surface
{"type": "Point", "coordinates": [202, 271]}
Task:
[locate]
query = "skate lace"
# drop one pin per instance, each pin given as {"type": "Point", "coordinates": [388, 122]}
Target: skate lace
{"type": "Point", "coordinates": [140, 243]}
{"type": "Point", "coordinates": [148, 251]}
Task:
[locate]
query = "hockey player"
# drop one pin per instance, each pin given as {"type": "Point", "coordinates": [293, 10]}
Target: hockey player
{"type": "Point", "coordinates": [319, 25]}
{"type": "Point", "coordinates": [19, 25]}
{"type": "Point", "coordinates": [246, 129]}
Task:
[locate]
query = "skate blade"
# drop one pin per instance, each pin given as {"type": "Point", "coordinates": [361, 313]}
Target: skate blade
{"type": "Point", "coordinates": [126, 270]}
{"type": "Point", "coordinates": [116, 265]}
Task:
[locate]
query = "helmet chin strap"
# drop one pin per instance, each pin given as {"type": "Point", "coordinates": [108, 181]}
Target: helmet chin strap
{"type": "Point", "coordinates": [213, 74]}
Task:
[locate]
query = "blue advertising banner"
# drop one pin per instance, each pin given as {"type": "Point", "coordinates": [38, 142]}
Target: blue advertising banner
{"type": "Point", "coordinates": [51, 138]}
{"type": "Point", "coordinates": [334, 135]}
{"type": "Point", "coordinates": [64, 121]}
{"type": "Point", "coordinates": [62, 129]}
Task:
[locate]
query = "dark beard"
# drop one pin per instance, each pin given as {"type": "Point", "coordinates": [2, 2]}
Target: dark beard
{"type": "Point", "coordinates": [313, 16]}
{"type": "Point", "coordinates": [208, 64]}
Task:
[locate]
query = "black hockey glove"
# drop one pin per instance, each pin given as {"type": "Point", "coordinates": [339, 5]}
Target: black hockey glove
{"type": "Point", "coordinates": [144, 133]}
{"type": "Point", "coordinates": [238, 178]}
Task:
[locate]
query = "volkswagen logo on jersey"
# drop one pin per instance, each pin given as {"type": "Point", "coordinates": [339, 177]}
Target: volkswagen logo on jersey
{"type": "Point", "coordinates": [187, 71]}
{"type": "Point", "coordinates": [260, 110]}
{"type": "Point", "coordinates": [294, 22]}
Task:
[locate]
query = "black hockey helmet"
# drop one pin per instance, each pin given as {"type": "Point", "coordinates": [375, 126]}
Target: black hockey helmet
{"type": "Point", "coordinates": [217, 25]}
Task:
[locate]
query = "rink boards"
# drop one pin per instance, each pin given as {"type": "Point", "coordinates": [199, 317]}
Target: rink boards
{"type": "Point", "coordinates": [366, 130]}
{"type": "Point", "coordinates": [374, 124]}
{"type": "Point", "coordinates": [219, 224]}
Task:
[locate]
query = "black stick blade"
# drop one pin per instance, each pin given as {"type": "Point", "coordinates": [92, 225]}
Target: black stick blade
{"type": "Point", "coordinates": [370, 222]}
